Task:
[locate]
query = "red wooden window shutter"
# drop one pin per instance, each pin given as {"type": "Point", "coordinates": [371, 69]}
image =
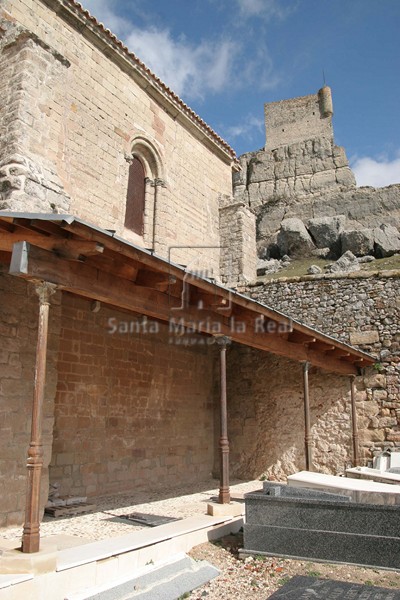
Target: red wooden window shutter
{"type": "Point", "coordinates": [135, 197]}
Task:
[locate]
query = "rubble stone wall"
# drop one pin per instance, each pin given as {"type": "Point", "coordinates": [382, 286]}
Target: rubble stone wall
{"type": "Point", "coordinates": [87, 132]}
{"type": "Point", "coordinates": [358, 309]}
{"type": "Point", "coordinates": [132, 410]}
{"type": "Point", "coordinates": [266, 416]}
{"type": "Point", "coordinates": [19, 310]}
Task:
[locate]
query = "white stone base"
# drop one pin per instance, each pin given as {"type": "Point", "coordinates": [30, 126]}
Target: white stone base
{"type": "Point", "coordinates": [233, 509]}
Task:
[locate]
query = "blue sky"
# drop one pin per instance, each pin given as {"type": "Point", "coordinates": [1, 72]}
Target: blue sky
{"type": "Point", "coordinates": [226, 58]}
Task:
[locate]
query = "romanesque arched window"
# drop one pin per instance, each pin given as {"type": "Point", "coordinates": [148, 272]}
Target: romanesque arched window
{"type": "Point", "coordinates": [135, 197]}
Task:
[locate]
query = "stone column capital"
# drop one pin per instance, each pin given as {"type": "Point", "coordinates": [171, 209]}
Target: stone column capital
{"type": "Point", "coordinates": [45, 290]}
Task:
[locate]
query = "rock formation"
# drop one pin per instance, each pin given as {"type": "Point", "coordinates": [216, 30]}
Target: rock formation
{"type": "Point", "coordinates": [301, 176]}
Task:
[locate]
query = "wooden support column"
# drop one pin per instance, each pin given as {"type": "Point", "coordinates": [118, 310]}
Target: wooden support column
{"type": "Point", "coordinates": [356, 455]}
{"type": "Point", "coordinates": [307, 423]}
{"type": "Point", "coordinates": [31, 532]}
{"type": "Point", "coordinates": [224, 493]}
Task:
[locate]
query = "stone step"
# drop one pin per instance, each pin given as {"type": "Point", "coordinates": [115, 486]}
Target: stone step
{"type": "Point", "coordinates": [162, 582]}
{"type": "Point", "coordinates": [102, 549]}
{"type": "Point", "coordinates": [6, 580]}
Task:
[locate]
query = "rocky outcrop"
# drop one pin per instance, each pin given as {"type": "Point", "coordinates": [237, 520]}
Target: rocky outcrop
{"type": "Point", "coordinates": [346, 263]}
{"type": "Point", "coordinates": [294, 239]}
{"type": "Point", "coordinates": [326, 231]}
{"type": "Point", "coordinates": [359, 241]}
{"type": "Point", "coordinates": [386, 240]}
{"type": "Point", "coordinates": [310, 179]}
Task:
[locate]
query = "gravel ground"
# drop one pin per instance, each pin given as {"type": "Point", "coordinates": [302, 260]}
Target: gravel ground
{"type": "Point", "coordinates": [258, 577]}
{"type": "Point", "coordinates": [104, 522]}
{"type": "Point", "coordinates": [255, 578]}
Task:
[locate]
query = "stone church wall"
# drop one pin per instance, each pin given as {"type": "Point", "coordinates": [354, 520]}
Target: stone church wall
{"type": "Point", "coordinates": [71, 115]}
{"type": "Point", "coordinates": [19, 310]}
{"type": "Point", "coordinates": [132, 411]}
{"type": "Point", "coordinates": [359, 309]}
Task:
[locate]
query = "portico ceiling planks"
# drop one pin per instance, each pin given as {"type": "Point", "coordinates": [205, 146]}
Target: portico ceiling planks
{"type": "Point", "coordinates": [96, 264]}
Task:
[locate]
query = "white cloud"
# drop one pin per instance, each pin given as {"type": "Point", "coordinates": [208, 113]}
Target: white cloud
{"type": "Point", "coordinates": [105, 11]}
{"type": "Point", "coordinates": [246, 129]}
{"type": "Point", "coordinates": [376, 172]}
{"type": "Point", "coordinates": [190, 70]}
{"type": "Point", "coordinates": [267, 9]}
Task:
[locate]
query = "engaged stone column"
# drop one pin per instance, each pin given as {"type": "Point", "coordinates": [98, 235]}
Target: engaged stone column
{"type": "Point", "coordinates": [31, 533]}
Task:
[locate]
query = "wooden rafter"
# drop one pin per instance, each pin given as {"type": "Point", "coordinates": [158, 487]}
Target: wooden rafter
{"type": "Point", "coordinates": [66, 248]}
{"type": "Point", "coordinates": [34, 263]}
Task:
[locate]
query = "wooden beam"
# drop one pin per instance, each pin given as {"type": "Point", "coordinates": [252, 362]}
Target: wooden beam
{"type": "Point", "coordinates": [155, 279]}
{"type": "Point", "coordinates": [67, 248]}
{"type": "Point", "coordinates": [323, 346]}
{"type": "Point", "coordinates": [127, 251]}
{"type": "Point", "coordinates": [35, 264]}
{"type": "Point", "coordinates": [307, 419]}
{"type": "Point", "coordinates": [213, 301]}
{"type": "Point", "coordinates": [109, 262]}
{"type": "Point", "coordinates": [6, 224]}
{"type": "Point", "coordinates": [298, 337]}
{"type": "Point", "coordinates": [31, 533]}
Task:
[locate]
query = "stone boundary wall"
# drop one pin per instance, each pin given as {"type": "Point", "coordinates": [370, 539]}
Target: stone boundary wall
{"type": "Point", "coordinates": [363, 310]}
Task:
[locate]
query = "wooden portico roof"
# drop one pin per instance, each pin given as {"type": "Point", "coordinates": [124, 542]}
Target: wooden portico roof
{"type": "Point", "coordinates": [94, 263]}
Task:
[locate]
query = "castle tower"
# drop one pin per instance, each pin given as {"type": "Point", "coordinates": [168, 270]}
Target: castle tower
{"type": "Point", "coordinates": [299, 119]}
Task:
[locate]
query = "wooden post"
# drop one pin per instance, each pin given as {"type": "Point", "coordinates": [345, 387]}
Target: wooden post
{"type": "Point", "coordinates": [31, 533]}
{"type": "Point", "coordinates": [307, 424]}
{"type": "Point", "coordinates": [224, 493]}
{"type": "Point", "coordinates": [356, 456]}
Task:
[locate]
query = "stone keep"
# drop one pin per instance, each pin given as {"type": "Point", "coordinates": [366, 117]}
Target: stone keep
{"type": "Point", "coordinates": [301, 173]}
{"type": "Point", "coordinates": [299, 119]}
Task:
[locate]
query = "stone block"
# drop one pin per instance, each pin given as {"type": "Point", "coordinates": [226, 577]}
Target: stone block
{"type": "Point", "coordinates": [233, 509]}
{"type": "Point", "coordinates": [294, 239]}
{"type": "Point", "coordinates": [387, 241]}
{"type": "Point", "coordinates": [359, 338]}
{"type": "Point", "coordinates": [323, 530]}
{"type": "Point", "coordinates": [326, 231]}
{"type": "Point", "coordinates": [359, 241]}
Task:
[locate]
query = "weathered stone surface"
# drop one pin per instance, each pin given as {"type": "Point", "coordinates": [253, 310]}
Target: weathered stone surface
{"type": "Point", "coordinates": [302, 174]}
{"type": "Point", "coordinates": [314, 270]}
{"type": "Point", "coordinates": [364, 312]}
{"type": "Point", "coordinates": [359, 241]}
{"type": "Point", "coordinates": [268, 266]}
{"type": "Point", "coordinates": [366, 259]}
{"type": "Point", "coordinates": [294, 239]}
{"type": "Point", "coordinates": [347, 262]}
{"type": "Point", "coordinates": [363, 337]}
{"type": "Point", "coordinates": [326, 231]}
{"type": "Point", "coordinates": [387, 241]}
